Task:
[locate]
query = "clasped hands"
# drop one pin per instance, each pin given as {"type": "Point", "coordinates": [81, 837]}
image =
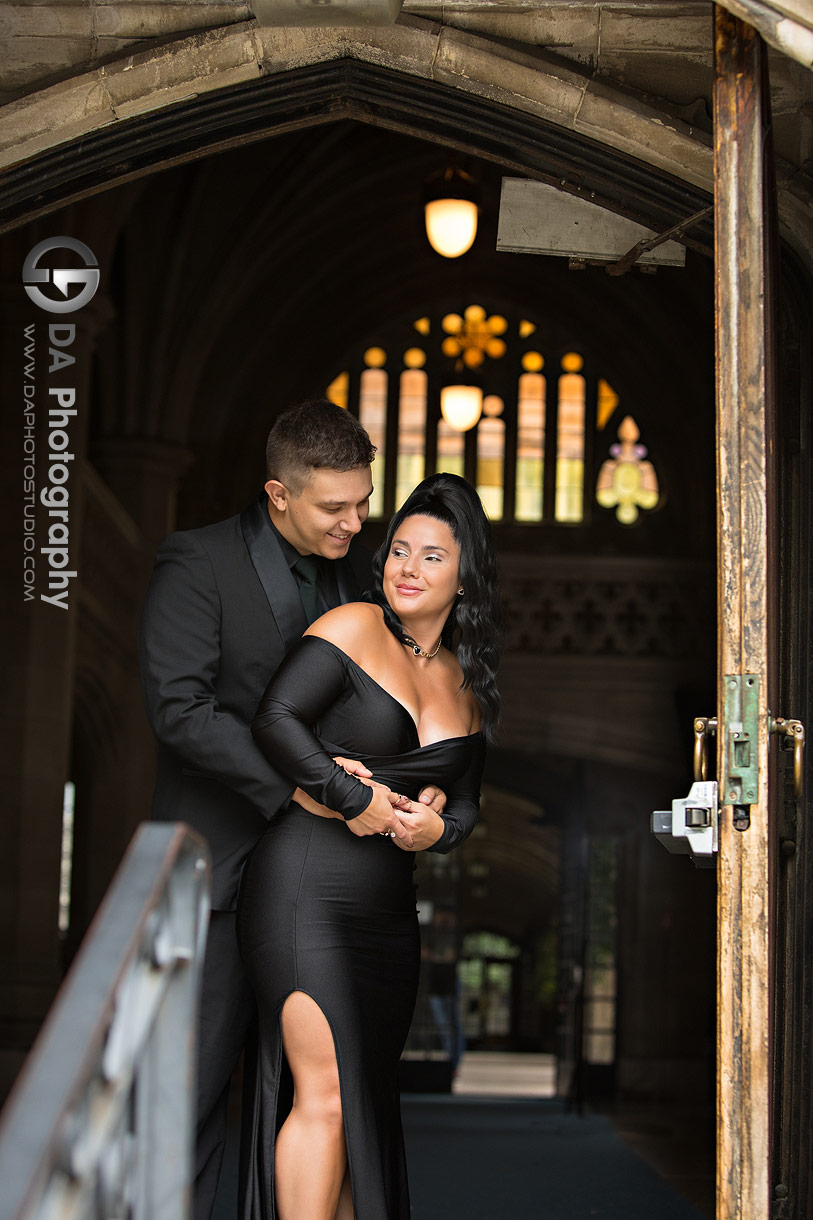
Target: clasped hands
{"type": "Point", "coordinates": [416, 825]}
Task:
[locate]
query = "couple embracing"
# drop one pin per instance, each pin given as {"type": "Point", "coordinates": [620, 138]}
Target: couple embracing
{"type": "Point", "coordinates": [317, 741]}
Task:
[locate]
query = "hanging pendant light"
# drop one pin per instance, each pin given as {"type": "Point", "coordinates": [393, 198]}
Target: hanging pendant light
{"type": "Point", "coordinates": [461, 401]}
{"type": "Point", "coordinates": [450, 211]}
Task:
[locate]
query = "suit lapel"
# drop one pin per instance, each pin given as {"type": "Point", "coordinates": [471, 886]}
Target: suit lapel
{"type": "Point", "coordinates": [274, 574]}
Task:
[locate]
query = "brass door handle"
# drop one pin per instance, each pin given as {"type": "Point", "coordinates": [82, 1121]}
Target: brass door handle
{"type": "Point", "coordinates": [793, 738]}
{"type": "Point", "coordinates": [704, 726]}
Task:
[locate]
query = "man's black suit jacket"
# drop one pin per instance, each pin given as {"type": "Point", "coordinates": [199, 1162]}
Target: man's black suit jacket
{"type": "Point", "coordinates": [221, 612]}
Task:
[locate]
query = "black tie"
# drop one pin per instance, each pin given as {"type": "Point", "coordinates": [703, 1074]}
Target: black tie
{"type": "Point", "coordinates": [307, 568]}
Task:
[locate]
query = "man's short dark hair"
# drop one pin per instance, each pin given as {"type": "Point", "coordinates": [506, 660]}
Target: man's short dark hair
{"type": "Point", "coordinates": [315, 434]}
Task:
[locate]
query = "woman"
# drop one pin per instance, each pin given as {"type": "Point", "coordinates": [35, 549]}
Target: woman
{"type": "Point", "coordinates": [328, 928]}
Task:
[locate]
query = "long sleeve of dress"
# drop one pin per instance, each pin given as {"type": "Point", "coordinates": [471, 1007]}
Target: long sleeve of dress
{"type": "Point", "coordinates": [309, 680]}
{"type": "Point", "coordinates": [462, 803]}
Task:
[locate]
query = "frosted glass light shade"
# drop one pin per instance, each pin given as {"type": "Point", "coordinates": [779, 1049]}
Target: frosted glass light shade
{"type": "Point", "coordinates": [451, 225]}
{"type": "Point", "coordinates": [461, 405]}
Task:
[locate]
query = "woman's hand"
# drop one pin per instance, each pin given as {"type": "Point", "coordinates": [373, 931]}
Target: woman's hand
{"type": "Point", "coordinates": [434, 797]}
{"type": "Point", "coordinates": [380, 820]}
{"type": "Point", "coordinates": [381, 817]}
{"type": "Point", "coordinates": [423, 823]}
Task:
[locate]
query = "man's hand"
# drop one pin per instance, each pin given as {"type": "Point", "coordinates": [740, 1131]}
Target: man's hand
{"type": "Point", "coordinates": [423, 823]}
{"type": "Point", "coordinates": [312, 806]}
{"type": "Point", "coordinates": [353, 768]}
{"type": "Point", "coordinates": [434, 797]}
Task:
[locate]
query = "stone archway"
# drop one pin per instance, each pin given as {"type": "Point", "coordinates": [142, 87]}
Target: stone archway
{"type": "Point", "coordinates": [228, 86]}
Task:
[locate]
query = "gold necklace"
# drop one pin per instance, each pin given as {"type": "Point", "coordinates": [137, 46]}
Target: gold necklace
{"type": "Point", "coordinates": [419, 652]}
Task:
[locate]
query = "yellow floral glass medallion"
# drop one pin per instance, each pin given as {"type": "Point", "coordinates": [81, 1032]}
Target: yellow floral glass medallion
{"type": "Point", "coordinates": [626, 482]}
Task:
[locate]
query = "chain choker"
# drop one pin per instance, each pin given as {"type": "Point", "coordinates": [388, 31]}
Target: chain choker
{"type": "Point", "coordinates": [419, 652]}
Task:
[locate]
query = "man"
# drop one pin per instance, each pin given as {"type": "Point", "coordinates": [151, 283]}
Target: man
{"type": "Point", "coordinates": [225, 604]}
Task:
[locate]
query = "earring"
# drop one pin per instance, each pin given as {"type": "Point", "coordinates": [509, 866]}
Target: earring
{"type": "Point", "coordinates": [460, 591]}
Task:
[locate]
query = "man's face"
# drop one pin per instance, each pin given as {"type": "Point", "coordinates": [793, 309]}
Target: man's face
{"type": "Point", "coordinates": [331, 507]}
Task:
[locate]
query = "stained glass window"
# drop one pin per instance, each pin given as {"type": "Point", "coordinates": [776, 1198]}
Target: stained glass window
{"type": "Point", "coordinates": [450, 449]}
{"type": "Point", "coordinates": [373, 417]}
{"type": "Point", "coordinates": [411, 433]}
{"type": "Point", "coordinates": [570, 441]}
{"type": "Point", "coordinates": [537, 407]}
{"type": "Point", "coordinates": [491, 464]}
{"type": "Point", "coordinates": [530, 446]}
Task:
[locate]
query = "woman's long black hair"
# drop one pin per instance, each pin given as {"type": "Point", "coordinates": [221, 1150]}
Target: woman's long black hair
{"type": "Point", "coordinates": [472, 628]}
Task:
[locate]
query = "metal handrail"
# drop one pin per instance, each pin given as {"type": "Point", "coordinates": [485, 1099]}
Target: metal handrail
{"type": "Point", "coordinates": [101, 1121]}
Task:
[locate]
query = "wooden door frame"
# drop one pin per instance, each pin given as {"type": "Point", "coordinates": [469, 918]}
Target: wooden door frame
{"type": "Point", "coordinates": [763, 1064]}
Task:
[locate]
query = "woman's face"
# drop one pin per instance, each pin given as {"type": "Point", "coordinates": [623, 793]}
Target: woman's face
{"type": "Point", "coordinates": [422, 570]}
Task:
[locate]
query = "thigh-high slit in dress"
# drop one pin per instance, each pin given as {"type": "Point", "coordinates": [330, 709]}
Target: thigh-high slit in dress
{"type": "Point", "coordinates": [332, 914]}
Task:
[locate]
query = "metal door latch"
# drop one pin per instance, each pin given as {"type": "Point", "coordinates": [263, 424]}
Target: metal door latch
{"type": "Point", "coordinates": [704, 727]}
{"type": "Point", "coordinates": [692, 826]}
{"type": "Point", "coordinates": [792, 734]}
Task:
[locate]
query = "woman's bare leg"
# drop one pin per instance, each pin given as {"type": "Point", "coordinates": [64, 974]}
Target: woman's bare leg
{"type": "Point", "coordinates": [310, 1160]}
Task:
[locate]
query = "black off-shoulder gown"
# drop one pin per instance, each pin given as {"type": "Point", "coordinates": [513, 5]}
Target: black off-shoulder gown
{"type": "Point", "coordinates": [331, 914]}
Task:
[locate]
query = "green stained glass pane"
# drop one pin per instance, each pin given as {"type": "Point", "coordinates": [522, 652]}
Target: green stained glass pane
{"type": "Point", "coordinates": [411, 465]}
{"type": "Point", "coordinates": [450, 449]}
{"type": "Point", "coordinates": [570, 449]}
{"type": "Point", "coordinates": [373, 417]}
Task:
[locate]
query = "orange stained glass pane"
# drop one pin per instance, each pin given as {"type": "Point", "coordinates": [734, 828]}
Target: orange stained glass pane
{"type": "Point", "coordinates": [570, 448]}
{"type": "Point", "coordinates": [491, 466]}
{"type": "Point", "coordinates": [607, 402]}
{"type": "Point", "coordinates": [497, 324]}
{"type": "Point", "coordinates": [452, 323]}
{"type": "Point", "coordinates": [474, 313]}
{"type": "Point", "coordinates": [572, 362]}
{"type": "Point", "coordinates": [450, 449]}
{"type": "Point", "coordinates": [411, 465]}
{"type": "Point", "coordinates": [422, 326]}
{"type": "Point", "coordinates": [375, 357]}
{"type": "Point", "coordinates": [533, 362]}
{"type": "Point", "coordinates": [414, 358]}
{"type": "Point", "coordinates": [526, 328]}
{"type": "Point", "coordinates": [373, 417]}
{"type": "Point", "coordinates": [338, 390]}
{"type": "Point", "coordinates": [530, 446]}
{"type": "Point", "coordinates": [493, 405]}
